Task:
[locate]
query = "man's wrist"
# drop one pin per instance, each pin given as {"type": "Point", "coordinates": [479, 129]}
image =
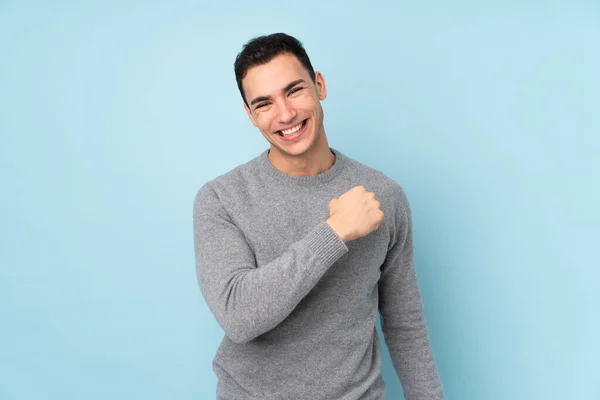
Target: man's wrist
{"type": "Point", "coordinates": [336, 229]}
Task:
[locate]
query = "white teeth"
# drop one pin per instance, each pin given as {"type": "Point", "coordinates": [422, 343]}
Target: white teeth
{"type": "Point", "coordinates": [292, 130]}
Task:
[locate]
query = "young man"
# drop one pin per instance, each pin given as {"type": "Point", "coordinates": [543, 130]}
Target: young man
{"type": "Point", "coordinates": [298, 249]}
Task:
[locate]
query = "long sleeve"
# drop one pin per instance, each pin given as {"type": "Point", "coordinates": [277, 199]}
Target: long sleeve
{"type": "Point", "coordinates": [246, 299]}
{"type": "Point", "coordinates": [401, 308]}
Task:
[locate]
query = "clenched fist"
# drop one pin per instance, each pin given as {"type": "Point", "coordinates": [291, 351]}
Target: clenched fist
{"type": "Point", "coordinates": [354, 214]}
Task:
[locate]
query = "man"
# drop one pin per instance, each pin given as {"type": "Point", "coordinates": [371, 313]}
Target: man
{"type": "Point", "coordinates": [295, 255]}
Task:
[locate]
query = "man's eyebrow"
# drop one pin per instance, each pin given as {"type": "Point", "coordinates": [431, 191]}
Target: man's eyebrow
{"type": "Point", "coordinates": [259, 99]}
{"type": "Point", "coordinates": [292, 84]}
{"type": "Point", "coordinates": [285, 89]}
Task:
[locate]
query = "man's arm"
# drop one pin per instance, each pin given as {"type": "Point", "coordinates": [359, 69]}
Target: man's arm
{"type": "Point", "coordinates": [246, 299]}
{"type": "Point", "coordinates": [401, 308]}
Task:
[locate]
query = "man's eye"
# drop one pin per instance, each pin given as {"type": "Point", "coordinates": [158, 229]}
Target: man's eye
{"type": "Point", "coordinates": [295, 90]}
{"type": "Point", "coordinates": [261, 105]}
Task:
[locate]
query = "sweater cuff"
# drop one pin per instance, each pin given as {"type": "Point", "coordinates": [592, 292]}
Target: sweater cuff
{"type": "Point", "coordinates": [326, 244]}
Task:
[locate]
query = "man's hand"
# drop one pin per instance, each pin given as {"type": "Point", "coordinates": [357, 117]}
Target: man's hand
{"type": "Point", "coordinates": [354, 214]}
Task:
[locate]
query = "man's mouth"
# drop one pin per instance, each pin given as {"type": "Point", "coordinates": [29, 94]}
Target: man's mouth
{"type": "Point", "coordinates": [291, 131]}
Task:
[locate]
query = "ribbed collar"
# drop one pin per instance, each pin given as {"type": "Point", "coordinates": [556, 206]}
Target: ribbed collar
{"type": "Point", "coordinates": [276, 175]}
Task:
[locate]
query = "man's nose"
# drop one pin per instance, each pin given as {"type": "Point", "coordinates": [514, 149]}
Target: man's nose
{"type": "Point", "coordinates": [286, 112]}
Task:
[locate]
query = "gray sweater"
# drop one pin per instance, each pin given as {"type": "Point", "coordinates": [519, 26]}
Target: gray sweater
{"type": "Point", "coordinates": [298, 305]}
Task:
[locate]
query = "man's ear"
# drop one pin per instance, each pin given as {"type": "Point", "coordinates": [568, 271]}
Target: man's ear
{"type": "Point", "coordinates": [249, 114]}
{"type": "Point", "coordinates": [321, 86]}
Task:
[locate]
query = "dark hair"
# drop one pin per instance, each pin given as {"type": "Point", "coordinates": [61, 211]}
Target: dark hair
{"type": "Point", "coordinates": [263, 49]}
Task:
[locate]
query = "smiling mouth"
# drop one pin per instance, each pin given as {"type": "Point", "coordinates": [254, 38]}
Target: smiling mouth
{"type": "Point", "coordinates": [291, 131]}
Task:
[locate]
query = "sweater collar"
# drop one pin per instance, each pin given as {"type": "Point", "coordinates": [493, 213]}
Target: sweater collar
{"type": "Point", "coordinates": [275, 175]}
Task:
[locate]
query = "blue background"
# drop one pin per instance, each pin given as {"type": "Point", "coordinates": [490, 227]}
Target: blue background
{"type": "Point", "coordinates": [113, 114]}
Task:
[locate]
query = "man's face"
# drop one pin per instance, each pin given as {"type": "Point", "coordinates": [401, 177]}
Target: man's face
{"type": "Point", "coordinates": [283, 99]}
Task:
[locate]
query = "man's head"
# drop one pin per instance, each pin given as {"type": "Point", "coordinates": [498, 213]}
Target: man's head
{"type": "Point", "coordinates": [263, 49]}
{"type": "Point", "coordinates": [282, 93]}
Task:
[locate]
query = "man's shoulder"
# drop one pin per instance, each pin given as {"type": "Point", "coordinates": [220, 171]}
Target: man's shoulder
{"type": "Point", "coordinates": [377, 181]}
{"type": "Point", "coordinates": [245, 172]}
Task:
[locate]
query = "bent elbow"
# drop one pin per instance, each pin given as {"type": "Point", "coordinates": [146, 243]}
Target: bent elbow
{"type": "Point", "coordinates": [240, 334]}
{"type": "Point", "coordinates": [240, 327]}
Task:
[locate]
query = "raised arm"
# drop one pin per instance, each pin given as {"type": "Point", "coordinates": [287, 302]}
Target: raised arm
{"type": "Point", "coordinates": [248, 299]}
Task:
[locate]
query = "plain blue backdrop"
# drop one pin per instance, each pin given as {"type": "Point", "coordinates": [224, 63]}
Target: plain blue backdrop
{"type": "Point", "coordinates": [113, 114]}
